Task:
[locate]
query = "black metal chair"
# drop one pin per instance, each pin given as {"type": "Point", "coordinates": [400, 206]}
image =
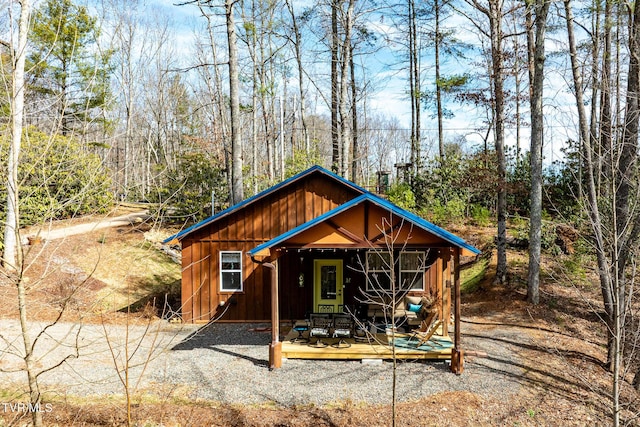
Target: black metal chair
{"type": "Point", "coordinates": [301, 326]}
{"type": "Point", "coordinates": [319, 327]}
{"type": "Point", "coordinates": [343, 329]}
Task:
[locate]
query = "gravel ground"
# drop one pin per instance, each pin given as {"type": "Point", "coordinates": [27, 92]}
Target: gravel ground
{"type": "Point", "coordinates": [228, 363]}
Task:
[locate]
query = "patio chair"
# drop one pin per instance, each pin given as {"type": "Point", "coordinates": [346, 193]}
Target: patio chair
{"type": "Point", "coordinates": [342, 328]}
{"type": "Point", "coordinates": [301, 326]}
{"type": "Point", "coordinates": [424, 337]}
{"type": "Point", "coordinates": [428, 325]}
{"type": "Point", "coordinates": [319, 327]}
{"type": "Point", "coordinates": [426, 320]}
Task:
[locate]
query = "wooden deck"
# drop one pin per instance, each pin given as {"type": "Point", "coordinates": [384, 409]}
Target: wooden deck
{"type": "Point", "coordinates": [378, 347]}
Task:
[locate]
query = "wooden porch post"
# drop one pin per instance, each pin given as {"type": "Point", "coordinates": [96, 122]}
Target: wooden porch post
{"type": "Point", "coordinates": [446, 291]}
{"type": "Point", "coordinates": [457, 356]}
{"type": "Point", "coordinates": [275, 348]}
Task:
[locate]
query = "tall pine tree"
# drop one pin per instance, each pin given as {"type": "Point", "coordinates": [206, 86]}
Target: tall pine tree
{"type": "Point", "coordinates": [66, 73]}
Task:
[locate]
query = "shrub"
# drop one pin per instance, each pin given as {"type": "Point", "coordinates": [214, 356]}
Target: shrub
{"type": "Point", "coordinates": [481, 216]}
{"type": "Point", "coordinates": [444, 214]}
{"type": "Point", "coordinates": [520, 230]}
{"type": "Point", "coordinates": [186, 191]}
{"type": "Point", "coordinates": [58, 178]}
{"type": "Point", "coordinates": [402, 196]}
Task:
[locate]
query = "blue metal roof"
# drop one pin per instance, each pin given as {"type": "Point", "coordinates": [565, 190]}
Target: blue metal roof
{"type": "Point", "coordinates": [367, 196]}
{"type": "Point", "coordinates": [262, 194]}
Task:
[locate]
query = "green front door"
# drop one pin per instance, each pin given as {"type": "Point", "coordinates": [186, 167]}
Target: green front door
{"type": "Point", "coordinates": [327, 284]}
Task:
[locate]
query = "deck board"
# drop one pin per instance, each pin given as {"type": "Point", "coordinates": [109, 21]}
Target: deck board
{"type": "Point", "coordinates": [438, 347]}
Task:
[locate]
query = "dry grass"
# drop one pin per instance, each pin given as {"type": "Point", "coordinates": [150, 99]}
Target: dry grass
{"type": "Point", "coordinates": [102, 271]}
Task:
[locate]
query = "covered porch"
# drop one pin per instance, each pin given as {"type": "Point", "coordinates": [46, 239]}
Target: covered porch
{"type": "Point", "coordinates": [372, 260]}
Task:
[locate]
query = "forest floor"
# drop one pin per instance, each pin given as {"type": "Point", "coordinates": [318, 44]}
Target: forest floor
{"type": "Point", "coordinates": [560, 343]}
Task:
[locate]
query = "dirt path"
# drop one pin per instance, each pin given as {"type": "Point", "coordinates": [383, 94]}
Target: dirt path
{"type": "Point", "coordinates": [62, 232]}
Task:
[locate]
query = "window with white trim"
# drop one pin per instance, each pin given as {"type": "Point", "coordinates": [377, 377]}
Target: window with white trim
{"type": "Point", "coordinates": [230, 271]}
{"type": "Point", "coordinates": [378, 271]}
{"type": "Point", "coordinates": [412, 266]}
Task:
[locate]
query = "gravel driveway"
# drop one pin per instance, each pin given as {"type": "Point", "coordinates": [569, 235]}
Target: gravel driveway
{"type": "Point", "coordinates": [228, 363]}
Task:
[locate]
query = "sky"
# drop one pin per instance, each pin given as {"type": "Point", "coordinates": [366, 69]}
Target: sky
{"type": "Point", "coordinates": [389, 96]}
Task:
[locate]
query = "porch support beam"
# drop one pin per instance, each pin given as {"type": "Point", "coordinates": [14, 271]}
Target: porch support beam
{"type": "Point", "coordinates": [275, 348]}
{"type": "Point", "coordinates": [457, 355]}
{"type": "Point", "coordinates": [446, 289]}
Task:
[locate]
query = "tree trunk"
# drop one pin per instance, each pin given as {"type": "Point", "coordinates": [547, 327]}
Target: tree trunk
{"type": "Point", "coordinates": [627, 220]}
{"type": "Point", "coordinates": [414, 86]}
{"type": "Point", "coordinates": [253, 43]}
{"type": "Point", "coordinates": [590, 166]}
{"type": "Point", "coordinates": [595, 86]}
{"type": "Point", "coordinates": [495, 19]}
{"type": "Point", "coordinates": [32, 380]}
{"type": "Point", "coordinates": [535, 230]}
{"type": "Point", "coordinates": [345, 50]}
{"type": "Point", "coordinates": [528, 16]}
{"type": "Point", "coordinates": [335, 89]}
{"type": "Point", "coordinates": [237, 193]}
{"type": "Point", "coordinates": [592, 170]}
{"type": "Point", "coordinates": [355, 149]}
{"type": "Point", "coordinates": [298, 52]}
{"type": "Point", "coordinates": [605, 135]}
{"type": "Point", "coordinates": [518, 82]}
{"type": "Point", "coordinates": [611, 275]}
{"type": "Point", "coordinates": [438, 89]}
{"type": "Point", "coordinates": [218, 113]}
{"type": "Point", "coordinates": [12, 255]}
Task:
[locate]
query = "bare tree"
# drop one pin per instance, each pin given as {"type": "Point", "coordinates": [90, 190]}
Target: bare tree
{"type": "Point", "coordinates": [356, 167]}
{"type": "Point", "coordinates": [385, 289]}
{"type": "Point", "coordinates": [541, 8]}
{"type": "Point", "coordinates": [214, 100]}
{"type": "Point", "coordinates": [345, 63]}
{"type": "Point", "coordinates": [133, 352]}
{"type": "Point", "coordinates": [493, 10]}
{"type": "Point", "coordinates": [335, 87]}
{"type": "Point", "coordinates": [237, 191]}
{"type": "Point", "coordinates": [235, 164]}
{"type": "Point", "coordinates": [297, 45]}
{"type": "Point", "coordinates": [12, 256]}
{"type": "Point", "coordinates": [605, 136]}
{"type": "Point", "coordinates": [415, 87]}
{"type": "Point", "coordinates": [614, 240]}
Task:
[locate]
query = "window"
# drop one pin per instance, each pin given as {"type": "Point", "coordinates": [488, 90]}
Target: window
{"type": "Point", "coordinates": [231, 271]}
{"type": "Point", "coordinates": [378, 271]}
{"type": "Point", "coordinates": [409, 268]}
{"type": "Point", "coordinates": [412, 265]}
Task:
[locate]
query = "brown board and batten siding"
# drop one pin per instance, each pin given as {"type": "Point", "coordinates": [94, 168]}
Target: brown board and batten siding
{"type": "Point", "coordinates": [242, 230]}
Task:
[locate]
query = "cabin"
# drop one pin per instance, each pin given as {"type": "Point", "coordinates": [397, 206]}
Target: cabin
{"type": "Point", "coordinates": [316, 243]}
